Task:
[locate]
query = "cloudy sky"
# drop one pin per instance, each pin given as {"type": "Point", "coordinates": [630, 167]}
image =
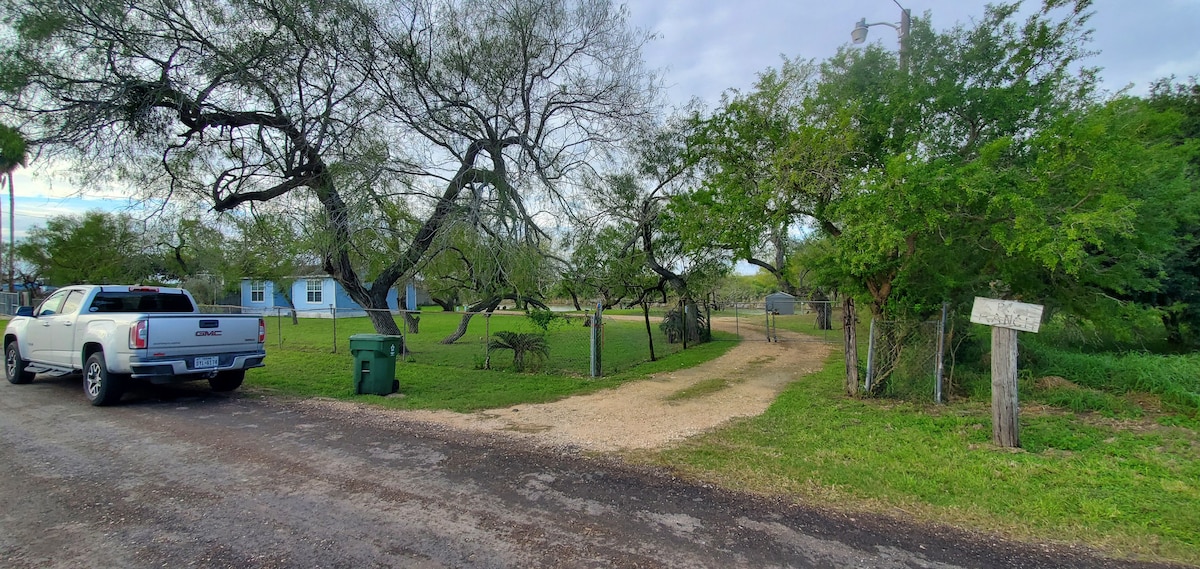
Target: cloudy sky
{"type": "Point", "coordinates": [707, 46]}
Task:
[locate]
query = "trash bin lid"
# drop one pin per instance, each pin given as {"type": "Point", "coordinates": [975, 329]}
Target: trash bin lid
{"type": "Point", "coordinates": [368, 337]}
{"type": "Point", "coordinates": [387, 343]}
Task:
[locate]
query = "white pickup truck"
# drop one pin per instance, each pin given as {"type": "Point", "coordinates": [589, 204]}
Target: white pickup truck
{"type": "Point", "coordinates": [117, 333]}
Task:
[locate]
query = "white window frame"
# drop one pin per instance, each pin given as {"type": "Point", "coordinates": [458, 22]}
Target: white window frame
{"type": "Point", "coordinates": [313, 290]}
{"type": "Point", "coordinates": [258, 291]}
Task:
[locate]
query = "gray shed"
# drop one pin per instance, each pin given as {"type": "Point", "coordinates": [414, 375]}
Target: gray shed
{"type": "Point", "coordinates": [781, 303]}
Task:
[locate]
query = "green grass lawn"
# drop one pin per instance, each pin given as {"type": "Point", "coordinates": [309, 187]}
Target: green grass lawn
{"type": "Point", "coordinates": [437, 376]}
{"type": "Point", "coordinates": [1129, 487]}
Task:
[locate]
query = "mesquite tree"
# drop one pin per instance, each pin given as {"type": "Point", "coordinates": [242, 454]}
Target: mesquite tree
{"type": "Point", "coordinates": [385, 116]}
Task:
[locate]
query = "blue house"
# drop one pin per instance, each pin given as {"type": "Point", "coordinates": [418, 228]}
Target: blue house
{"type": "Point", "coordinates": [316, 296]}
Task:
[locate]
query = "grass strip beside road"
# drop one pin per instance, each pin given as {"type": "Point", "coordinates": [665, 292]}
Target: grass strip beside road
{"type": "Point", "coordinates": [1131, 488]}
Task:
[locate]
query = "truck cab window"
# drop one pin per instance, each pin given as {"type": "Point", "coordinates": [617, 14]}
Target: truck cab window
{"type": "Point", "coordinates": [72, 303]}
{"type": "Point", "coordinates": [52, 305]}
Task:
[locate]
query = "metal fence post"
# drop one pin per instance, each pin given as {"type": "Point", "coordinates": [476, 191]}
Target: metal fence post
{"type": "Point", "coordinates": [404, 335]}
{"type": "Point", "coordinates": [487, 342]}
{"type": "Point", "coordinates": [333, 312]}
{"type": "Point", "coordinates": [940, 358]}
{"type": "Point", "coordinates": [597, 331]}
{"type": "Point", "coordinates": [279, 325]}
{"type": "Point", "coordinates": [768, 316]}
{"type": "Point", "coordinates": [871, 355]}
{"type": "Point", "coordinates": [736, 332]}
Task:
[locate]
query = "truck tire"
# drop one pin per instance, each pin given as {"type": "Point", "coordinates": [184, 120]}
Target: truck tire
{"type": "Point", "coordinates": [99, 386]}
{"type": "Point", "coordinates": [14, 365]}
{"type": "Point", "coordinates": [227, 380]}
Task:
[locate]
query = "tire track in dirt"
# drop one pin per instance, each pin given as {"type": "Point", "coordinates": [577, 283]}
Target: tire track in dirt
{"type": "Point", "coordinates": [641, 415]}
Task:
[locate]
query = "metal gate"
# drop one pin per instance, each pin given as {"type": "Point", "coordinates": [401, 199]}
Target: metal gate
{"type": "Point", "coordinates": [808, 321]}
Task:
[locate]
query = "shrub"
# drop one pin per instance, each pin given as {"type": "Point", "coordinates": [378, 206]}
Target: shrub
{"type": "Point", "coordinates": [522, 345]}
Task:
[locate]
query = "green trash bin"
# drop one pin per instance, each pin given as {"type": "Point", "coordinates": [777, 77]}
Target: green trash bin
{"type": "Point", "coordinates": [375, 363]}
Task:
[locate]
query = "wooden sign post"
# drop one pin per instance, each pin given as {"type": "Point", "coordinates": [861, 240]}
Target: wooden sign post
{"type": "Point", "coordinates": [1006, 318]}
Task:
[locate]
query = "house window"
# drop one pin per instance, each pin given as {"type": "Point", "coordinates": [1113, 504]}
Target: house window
{"type": "Point", "coordinates": [258, 291]}
{"type": "Point", "coordinates": [314, 291]}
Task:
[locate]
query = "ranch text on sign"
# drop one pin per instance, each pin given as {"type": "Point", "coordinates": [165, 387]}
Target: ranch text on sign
{"type": "Point", "coordinates": [1007, 314]}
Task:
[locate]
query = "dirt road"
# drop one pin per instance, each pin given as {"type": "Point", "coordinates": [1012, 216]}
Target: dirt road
{"type": "Point", "coordinates": [179, 477]}
{"type": "Point", "coordinates": [649, 414]}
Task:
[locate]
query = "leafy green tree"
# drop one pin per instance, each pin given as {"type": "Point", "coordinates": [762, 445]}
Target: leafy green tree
{"type": "Point", "coordinates": [95, 248]}
{"type": "Point", "coordinates": [271, 247]}
{"type": "Point", "coordinates": [925, 140]}
{"type": "Point", "coordinates": [1178, 296]}
{"type": "Point", "coordinates": [366, 111]}
{"type": "Point", "coordinates": [490, 269]}
{"type": "Point", "coordinates": [736, 149]}
{"type": "Point", "coordinates": [636, 203]}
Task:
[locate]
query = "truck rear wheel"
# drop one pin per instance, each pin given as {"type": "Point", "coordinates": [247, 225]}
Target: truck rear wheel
{"type": "Point", "coordinates": [14, 366]}
{"type": "Point", "coordinates": [227, 380]}
{"type": "Point", "coordinates": [100, 386]}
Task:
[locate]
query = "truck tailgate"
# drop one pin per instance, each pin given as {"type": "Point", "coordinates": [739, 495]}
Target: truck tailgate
{"type": "Point", "coordinates": [181, 334]}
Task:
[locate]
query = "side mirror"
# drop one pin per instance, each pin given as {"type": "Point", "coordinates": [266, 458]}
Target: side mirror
{"type": "Point", "coordinates": [25, 311]}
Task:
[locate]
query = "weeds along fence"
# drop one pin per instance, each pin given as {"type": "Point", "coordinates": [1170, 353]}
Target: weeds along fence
{"type": "Point", "coordinates": [906, 358]}
{"type": "Point", "coordinates": [568, 338]}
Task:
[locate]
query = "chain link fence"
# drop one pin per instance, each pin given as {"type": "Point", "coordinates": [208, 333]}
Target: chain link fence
{"type": "Point", "coordinates": [10, 302]}
{"type": "Point", "coordinates": [481, 340]}
{"type": "Point", "coordinates": [623, 340]}
{"type": "Point", "coordinates": [780, 321]}
{"type": "Point", "coordinates": [905, 358]}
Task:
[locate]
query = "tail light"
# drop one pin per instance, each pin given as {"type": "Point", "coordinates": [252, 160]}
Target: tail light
{"type": "Point", "coordinates": [139, 335]}
{"type": "Point", "coordinates": [262, 331]}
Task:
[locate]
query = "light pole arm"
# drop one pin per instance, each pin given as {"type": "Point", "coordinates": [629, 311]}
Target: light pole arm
{"type": "Point", "coordinates": [859, 34]}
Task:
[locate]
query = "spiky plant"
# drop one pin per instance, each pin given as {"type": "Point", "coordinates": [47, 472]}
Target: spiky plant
{"type": "Point", "coordinates": [522, 345]}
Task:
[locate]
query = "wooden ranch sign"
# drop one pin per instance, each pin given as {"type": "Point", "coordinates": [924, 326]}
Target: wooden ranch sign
{"type": "Point", "coordinates": [1006, 317]}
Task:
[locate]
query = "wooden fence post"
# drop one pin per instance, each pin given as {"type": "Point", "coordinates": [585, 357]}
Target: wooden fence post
{"type": "Point", "coordinates": [849, 325]}
{"type": "Point", "coordinates": [1005, 407]}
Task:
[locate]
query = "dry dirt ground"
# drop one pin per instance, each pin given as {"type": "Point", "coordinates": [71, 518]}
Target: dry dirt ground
{"type": "Point", "coordinates": [643, 414]}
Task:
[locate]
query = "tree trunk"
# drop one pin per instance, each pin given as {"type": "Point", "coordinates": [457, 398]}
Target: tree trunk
{"type": "Point", "coordinates": [575, 300]}
{"type": "Point", "coordinates": [691, 322]}
{"type": "Point", "coordinates": [823, 309]}
{"type": "Point", "coordinates": [649, 332]}
{"type": "Point", "coordinates": [488, 305]}
{"type": "Point", "coordinates": [379, 313]}
{"type": "Point", "coordinates": [461, 330]}
{"type": "Point", "coordinates": [849, 328]}
{"type": "Point", "coordinates": [1173, 329]}
{"type": "Point", "coordinates": [411, 322]}
{"type": "Point", "coordinates": [292, 309]}
{"type": "Point", "coordinates": [373, 296]}
{"type": "Point", "coordinates": [3, 178]}
{"type": "Point", "coordinates": [383, 322]}
{"type": "Point", "coordinates": [447, 305]}
{"type": "Point", "coordinates": [12, 244]}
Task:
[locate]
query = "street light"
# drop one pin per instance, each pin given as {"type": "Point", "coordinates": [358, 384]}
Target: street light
{"type": "Point", "coordinates": [859, 33]}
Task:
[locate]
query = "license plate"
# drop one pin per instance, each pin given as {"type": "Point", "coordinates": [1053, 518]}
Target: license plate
{"type": "Point", "coordinates": [207, 361]}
